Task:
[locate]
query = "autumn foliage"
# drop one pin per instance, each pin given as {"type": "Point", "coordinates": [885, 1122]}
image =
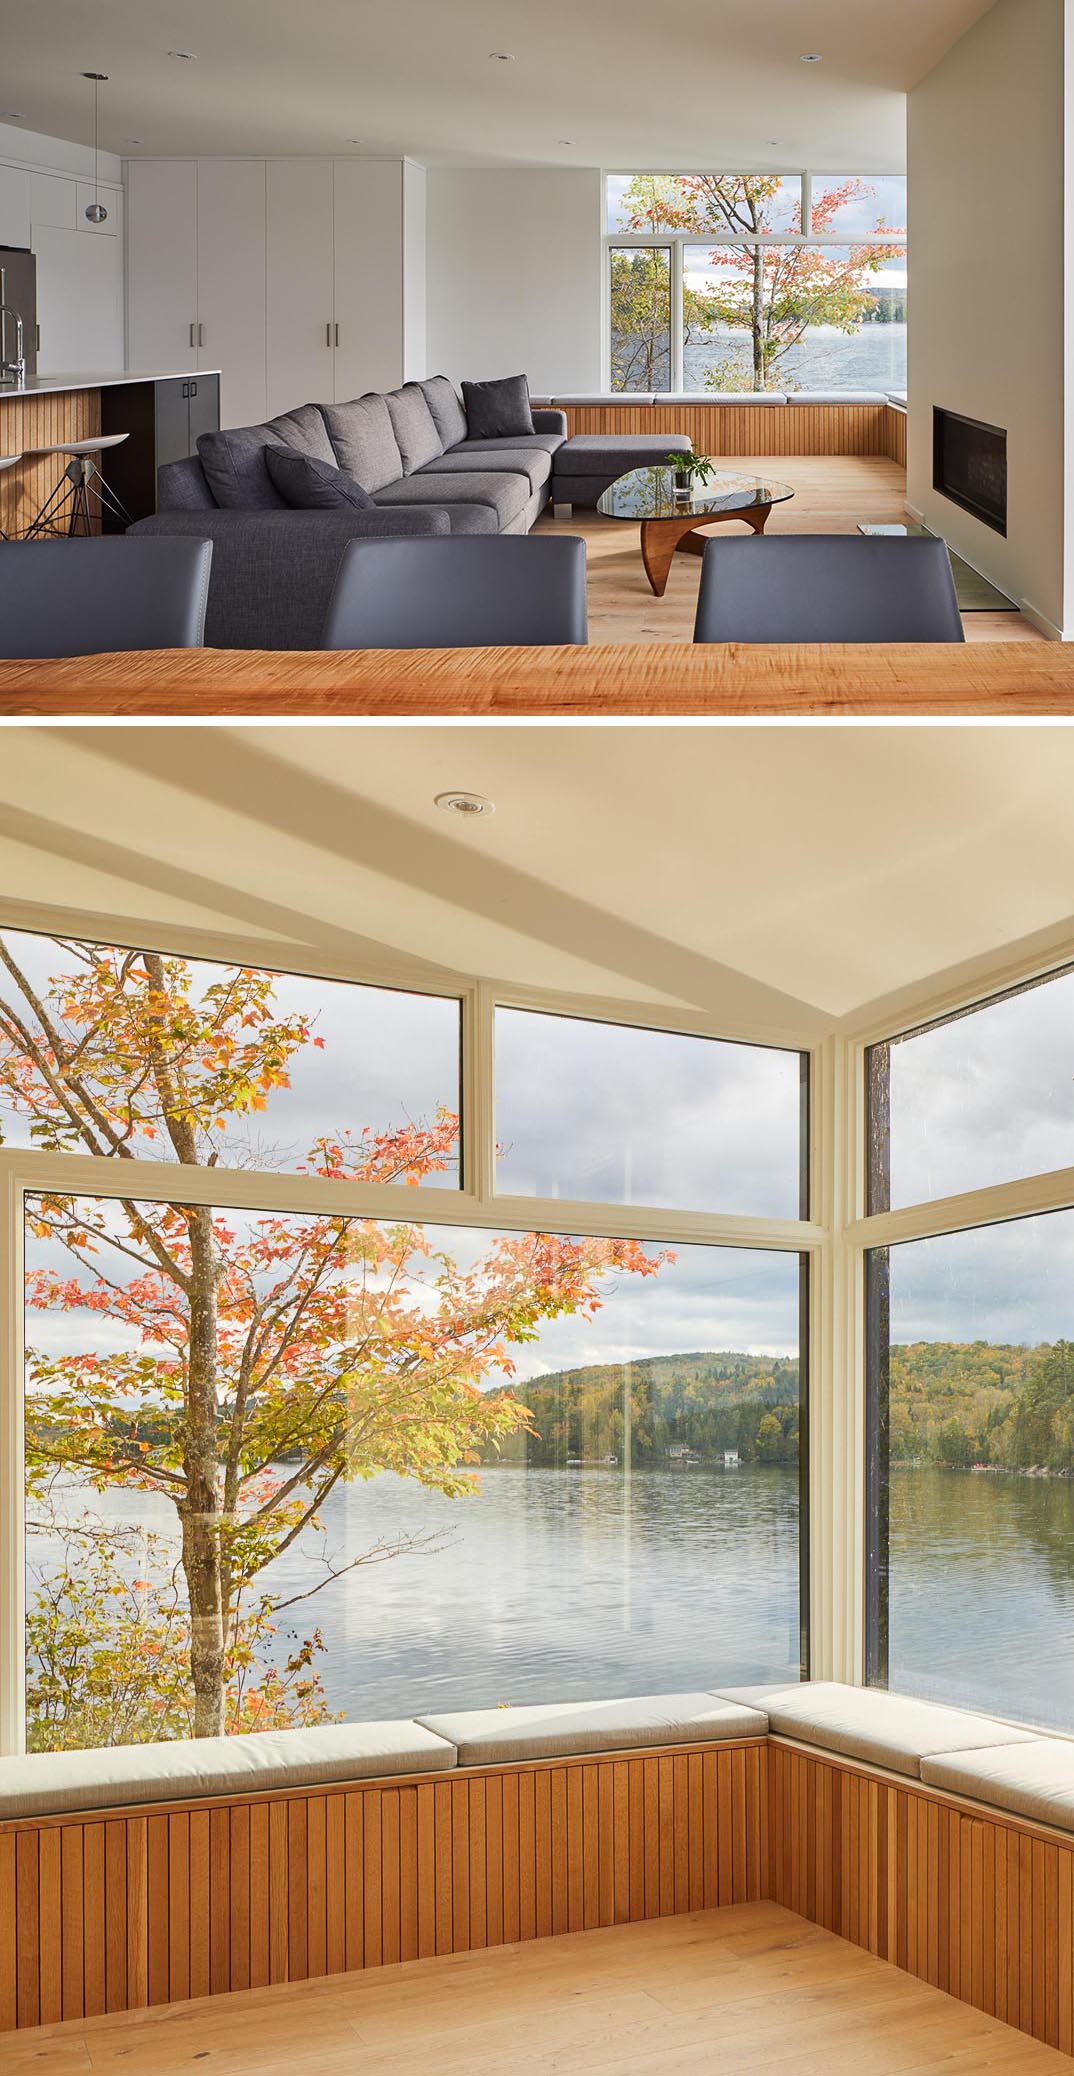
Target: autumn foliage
{"type": "Point", "coordinates": [238, 1367]}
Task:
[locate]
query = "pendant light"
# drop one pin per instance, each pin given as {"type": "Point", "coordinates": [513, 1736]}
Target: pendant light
{"type": "Point", "coordinates": [95, 210]}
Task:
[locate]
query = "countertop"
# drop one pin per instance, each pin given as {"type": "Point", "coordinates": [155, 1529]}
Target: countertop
{"type": "Point", "coordinates": [1001, 678]}
{"type": "Point", "coordinates": [49, 385]}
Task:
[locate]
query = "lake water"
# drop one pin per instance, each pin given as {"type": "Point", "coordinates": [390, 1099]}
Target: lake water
{"type": "Point", "coordinates": [874, 357]}
{"type": "Point", "coordinates": [558, 1585]}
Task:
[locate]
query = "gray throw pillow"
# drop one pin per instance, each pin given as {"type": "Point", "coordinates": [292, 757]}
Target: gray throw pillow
{"type": "Point", "coordinates": [234, 459]}
{"type": "Point", "coordinates": [312, 485]}
{"type": "Point", "coordinates": [497, 410]}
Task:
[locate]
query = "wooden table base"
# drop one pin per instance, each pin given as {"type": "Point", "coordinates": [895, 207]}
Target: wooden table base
{"type": "Point", "coordinates": [661, 538]}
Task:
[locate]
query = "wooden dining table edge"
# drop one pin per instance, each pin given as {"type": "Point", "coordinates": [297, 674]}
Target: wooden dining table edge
{"type": "Point", "coordinates": [650, 680]}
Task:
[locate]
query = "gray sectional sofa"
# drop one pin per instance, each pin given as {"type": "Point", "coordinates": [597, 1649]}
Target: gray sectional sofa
{"type": "Point", "coordinates": [274, 566]}
{"type": "Point", "coordinates": [410, 450]}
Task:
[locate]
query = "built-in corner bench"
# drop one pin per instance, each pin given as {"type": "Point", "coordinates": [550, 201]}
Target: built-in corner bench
{"type": "Point", "coordinates": [939, 1840]}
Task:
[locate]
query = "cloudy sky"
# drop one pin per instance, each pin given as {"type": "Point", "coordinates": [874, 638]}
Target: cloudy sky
{"type": "Point", "coordinates": [629, 1116]}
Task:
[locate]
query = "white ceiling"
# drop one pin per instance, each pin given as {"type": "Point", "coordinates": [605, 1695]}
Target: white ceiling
{"type": "Point", "coordinates": [777, 878]}
{"type": "Point", "coordinates": [702, 83]}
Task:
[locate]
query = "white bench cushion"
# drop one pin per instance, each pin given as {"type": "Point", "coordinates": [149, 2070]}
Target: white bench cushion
{"type": "Point", "coordinates": [1034, 1779]}
{"type": "Point", "coordinates": [606, 396]}
{"type": "Point", "coordinates": [838, 396]}
{"type": "Point", "coordinates": [892, 1730]}
{"type": "Point", "coordinates": [721, 396]}
{"type": "Point", "coordinates": [495, 1736]}
{"type": "Point", "coordinates": [50, 1783]}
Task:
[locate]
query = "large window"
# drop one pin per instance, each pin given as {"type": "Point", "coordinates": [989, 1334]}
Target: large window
{"type": "Point", "coordinates": [302, 1445]}
{"type": "Point", "coordinates": [774, 282]}
{"type": "Point", "coordinates": [971, 1362]}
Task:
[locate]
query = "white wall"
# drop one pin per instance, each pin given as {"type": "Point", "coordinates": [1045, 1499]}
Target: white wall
{"type": "Point", "coordinates": [988, 286]}
{"type": "Point", "coordinates": [45, 185]}
{"type": "Point", "coordinates": [514, 276]}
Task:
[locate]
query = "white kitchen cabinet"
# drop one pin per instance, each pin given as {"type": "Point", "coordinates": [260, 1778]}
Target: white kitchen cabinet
{"type": "Point", "coordinates": [368, 226]}
{"type": "Point", "coordinates": [79, 301]}
{"type": "Point", "coordinates": [231, 313]}
{"type": "Point", "coordinates": [162, 264]}
{"type": "Point", "coordinates": [300, 286]}
{"type": "Point", "coordinates": [14, 206]}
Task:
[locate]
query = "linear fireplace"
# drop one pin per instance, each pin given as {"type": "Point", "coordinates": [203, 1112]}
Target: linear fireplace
{"type": "Point", "coordinates": [969, 465]}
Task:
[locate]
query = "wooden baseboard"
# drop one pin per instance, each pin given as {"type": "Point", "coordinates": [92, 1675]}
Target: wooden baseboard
{"type": "Point", "coordinates": [128, 1910]}
{"type": "Point", "coordinates": [978, 1905]}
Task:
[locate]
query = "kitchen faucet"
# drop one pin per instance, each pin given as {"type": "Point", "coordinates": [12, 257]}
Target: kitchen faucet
{"type": "Point", "coordinates": [16, 367]}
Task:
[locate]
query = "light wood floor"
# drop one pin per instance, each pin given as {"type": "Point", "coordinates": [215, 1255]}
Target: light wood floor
{"type": "Point", "coordinates": [832, 492]}
{"type": "Point", "coordinates": [748, 1989]}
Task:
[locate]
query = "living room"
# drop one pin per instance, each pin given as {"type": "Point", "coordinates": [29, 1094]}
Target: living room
{"type": "Point", "coordinates": [343, 223]}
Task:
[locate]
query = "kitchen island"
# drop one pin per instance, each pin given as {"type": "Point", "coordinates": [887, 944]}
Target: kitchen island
{"type": "Point", "coordinates": [162, 413]}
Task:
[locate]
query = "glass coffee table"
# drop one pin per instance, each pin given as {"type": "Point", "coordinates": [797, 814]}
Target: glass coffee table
{"type": "Point", "coordinates": [670, 517]}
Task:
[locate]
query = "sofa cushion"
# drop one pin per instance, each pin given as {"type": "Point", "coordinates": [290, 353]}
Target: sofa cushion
{"type": "Point", "coordinates": [312, 485]}
{"type": "Point", "coordinates": [233, 459]}
{"type": "Point", "coordinates": [1034, 1779]}
{"type": "Point", "coordinates": [363, 441]}
{"type": "Point", "coordinates": [415, 429]}
{"type": "Point", "coordinates": [534, 463]}
{"type": "Point", "coordinates": [612, 454]}
{"type": "Point", "coordinates": [507, 494]}
{"type": "Point", "coordinates": [48, 1783]}
{"type": "Point", "coordinates": [523, 443]}
{"type": "Point", "coordinates": [448, 415]}
{"type": "Point", "coordinates": [495, 1736]}
{"type": "Point", "coordinates": [496, 410]}
{"type": "Point", "coordinates": [892, 1730]}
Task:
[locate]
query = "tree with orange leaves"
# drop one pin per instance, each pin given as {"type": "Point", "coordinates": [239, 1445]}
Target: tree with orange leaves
{"type": "Point", "coordinates": [252, 1363]}
{"type": "Point", "coordinates": [773, 292]}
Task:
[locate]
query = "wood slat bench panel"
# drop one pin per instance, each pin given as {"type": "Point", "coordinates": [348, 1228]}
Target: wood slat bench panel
{"type": "Point", "coordinates": [117, 1912]}
{"type": "Point", "coordinates": [761, 429]}
{"type": "Point", "coordinates": [979, 1906]}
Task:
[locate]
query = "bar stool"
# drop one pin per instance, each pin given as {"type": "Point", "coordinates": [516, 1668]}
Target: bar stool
{"type": "Point", "coordinates": [81, 495]}
{"type": "Point", "coordinates": [8, 461]}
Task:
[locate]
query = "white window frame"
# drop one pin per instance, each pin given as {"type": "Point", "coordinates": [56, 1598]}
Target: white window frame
{"type": "Point", "coordinates": [24, 1171]}
{"type": "Point", "coordinates": [676, 242]}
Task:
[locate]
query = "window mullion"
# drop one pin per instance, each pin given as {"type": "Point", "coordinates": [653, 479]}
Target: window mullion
{"type": "Point", "coordinates": [12, 1495]}
{"type": "Point", "coordinates": [677, 370]}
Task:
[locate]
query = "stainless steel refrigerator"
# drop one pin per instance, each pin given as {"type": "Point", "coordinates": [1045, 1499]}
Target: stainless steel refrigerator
{"type": "Point", "coordinates": [18, 317]}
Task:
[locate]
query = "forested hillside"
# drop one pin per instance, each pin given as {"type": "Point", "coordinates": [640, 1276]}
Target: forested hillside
{"type": "Point", "coordinates": [953, 1404]}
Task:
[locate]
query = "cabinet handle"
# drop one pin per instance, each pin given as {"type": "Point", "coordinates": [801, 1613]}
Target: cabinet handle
{"type": "Point", "coordinates": [186, 389]}
{"type": "Point", "coordinates": [337, 335]}
{"type": "Point", "coordinates": [193, 389]}
{"type": "Point", "coordinates": [201, 335]}
{"type": "Point", "coordinates": [193, 335]}
{"type": "Point", "coordinates": [328, 335]}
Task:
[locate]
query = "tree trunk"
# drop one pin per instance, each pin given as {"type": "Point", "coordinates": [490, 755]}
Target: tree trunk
{"type": "Point", "coordinates": [759, 370]}
{"type": "Point", "coordinates": [200, 1510]}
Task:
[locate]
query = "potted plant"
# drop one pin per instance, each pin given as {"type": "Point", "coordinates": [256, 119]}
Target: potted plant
{"type": "Point", "coordinates": [690, 469]}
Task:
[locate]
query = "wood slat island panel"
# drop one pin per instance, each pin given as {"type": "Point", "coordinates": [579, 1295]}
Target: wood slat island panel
{"type": "Point", "coordinates": [611, 679]}
{"type": "Point", "coordinates": [45, 420]}
{"type": "Point", "coordinates": [129, 1909]}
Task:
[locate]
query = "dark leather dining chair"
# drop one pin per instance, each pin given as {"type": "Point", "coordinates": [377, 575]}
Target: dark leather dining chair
{"type": "Point", "coordinates": [89, 597]}
{"type": "Point", "coordinates": [827, 587]}
{"type": "Point", "coordinates": [480, 591]}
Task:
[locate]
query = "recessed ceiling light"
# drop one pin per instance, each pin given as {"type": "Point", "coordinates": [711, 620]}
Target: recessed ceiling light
{"type": "Point", "coordinates": [13, 115]}
{"type": "Point", "coordinates": [189, 55]}
{"type": "Point", "coordinates": [352, 140]}
{"type": "Point", "coordinates": [502, 57]}
{"type": "Point", "coordinates": [464, 804]}
{"type": "Point", "coordinates": [812, 57]}
{"type": "Point", "coordinates": [566, 140]}
{"type": "Point", "coordinates": [136, 140]}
